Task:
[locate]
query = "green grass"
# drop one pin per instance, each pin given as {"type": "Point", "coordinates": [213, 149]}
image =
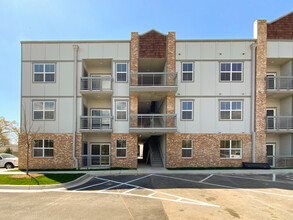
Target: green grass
{"type": "Point", "coordinates": [46, 179]}
{"type": "Point", "coordinates": [75, 170]}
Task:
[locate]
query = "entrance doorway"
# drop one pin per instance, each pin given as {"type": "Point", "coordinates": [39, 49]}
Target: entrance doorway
{"type": "Point", "coordinates": [271, 122]}
{"type": "Point", "coordinates": [271, 153]}
{"type": "Point", "coordinates": [100, 154]}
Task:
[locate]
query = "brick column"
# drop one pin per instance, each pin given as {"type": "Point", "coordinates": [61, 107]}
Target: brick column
{"type": "Point", "coordinates": [133, 110]}
{"type": "Point", "coordinates": [170, 57]}
{"type": "Point", "coordinates": [170, 110]}
{"type": "Point", "coordinates": [260, 91]}
{"type": "Point", "coordinates": [134, 58]}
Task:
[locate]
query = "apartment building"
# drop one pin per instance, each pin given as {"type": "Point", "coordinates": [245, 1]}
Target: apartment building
{"type": "Point", "coordinates": [159, 101]}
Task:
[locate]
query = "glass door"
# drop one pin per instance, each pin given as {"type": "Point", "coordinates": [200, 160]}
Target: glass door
{"type": "Point", "coordinates": [271, 81]}
{"type": "Point", "coordinates": [101, 123]}
{"type": "Point", "coordinates": [100, 154]}
{"type": "Point", "coordinates": [271, 122]}
{"type": "Point", "coordinates": [271, 154]}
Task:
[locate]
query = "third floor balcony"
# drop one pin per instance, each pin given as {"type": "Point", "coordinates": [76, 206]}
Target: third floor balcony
{"type": "Point", "coordinates": [279, 86]}
{"type": "Point", "coordinates": [154, 82]}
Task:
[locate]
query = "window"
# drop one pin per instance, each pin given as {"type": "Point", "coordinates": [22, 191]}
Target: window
{"type": "Point", "coordinates": [43, 148]}
{"type": "Point", "coordinates": [231, 149]}
{"type": "Point", "coordinates": [121, 72]}
{"type": "Point", "coordinates": [231, 110]}
{"type": "Point", "coordinates": [187, 149]}
{"type": "Point", "coordinates": [187, 71]}
{"type": "Point", "coordinates": [44, 72]}
{"type": "Point", "coordinates": [186, 110]}
{"type": "Point", "coordinates": [121, 110]}
{"type": "Point", "coordinates": [121, 148]}
{"type": "Point", "coordinates": [231, 71]}
{"type": "Point", "coordinates": [43, 110]}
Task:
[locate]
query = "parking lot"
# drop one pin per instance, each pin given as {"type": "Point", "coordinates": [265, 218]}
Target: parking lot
{"type": "Point", "coordinates": [158, 196]}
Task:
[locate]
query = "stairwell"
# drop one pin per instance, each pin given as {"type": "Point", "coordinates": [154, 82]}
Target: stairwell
{"type": "Point", "coordinates": [156, 160]}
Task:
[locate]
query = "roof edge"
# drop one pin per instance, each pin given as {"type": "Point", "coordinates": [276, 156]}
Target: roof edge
{"type": "Point", "coordinates": [215, 40]}
{"type": "Point", "coordinates": [73, 41]}
{"type": "Point", "coordinates": [280, 18]}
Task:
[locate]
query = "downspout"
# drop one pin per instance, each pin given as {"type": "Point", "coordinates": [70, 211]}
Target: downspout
{"type": "Point", "coordinates": [253, 49]}
{"type": "Point", "coordinates": [75, 48]}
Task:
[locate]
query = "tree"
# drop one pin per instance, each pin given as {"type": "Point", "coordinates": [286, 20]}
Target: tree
{"type": "Point", "coordinates": [8, 131]}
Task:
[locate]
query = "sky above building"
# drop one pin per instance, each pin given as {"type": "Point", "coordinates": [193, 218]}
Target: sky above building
{"type": "Point", "coordinates": [22, 20]}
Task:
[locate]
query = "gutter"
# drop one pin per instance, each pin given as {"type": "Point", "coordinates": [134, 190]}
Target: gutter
{"type": "Point", "coordinates": [75, 48]}
{"type": "Point", "coordinates": [253, 49]}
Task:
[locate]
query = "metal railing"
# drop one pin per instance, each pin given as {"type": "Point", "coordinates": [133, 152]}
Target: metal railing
{"type": "Point", "coordinates": [95, 122]}
{"type": "Point", "coordinates": [279, 82]}
{"type": "Point", "coordinates": [279, 123]}
{"type": "Point", "coordinates": [153, 79]}
{"type": "Point", "coordinates": [153, 121]}
{"type": "Point", "coordinates": [280, 161]}
{"type": "Point", "coordinates": [94, 161]}
{"type": "Point", "coordinates": [97, 83]}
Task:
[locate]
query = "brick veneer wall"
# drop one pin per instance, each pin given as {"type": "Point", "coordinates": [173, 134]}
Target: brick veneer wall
{"type": "Point", "coordinates": [131, 151]}
{"type": "Point", "coordinates": [62, 158]}
{"type": "Point", "coordinates": [206, 150]}
{"type": "Point", "coordinates": [260, 92]}
{"type": "Point", "coordinates": [152, 45]}
{"type": "Point", "coordinates": [281, 28]}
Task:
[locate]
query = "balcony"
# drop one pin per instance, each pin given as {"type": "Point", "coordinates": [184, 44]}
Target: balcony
{"type": "Point", "coordinates": [101, 124]}
{"type": "Point", "coordinates": [151, 123]}
{"type": "Point", "coordinates": [96, 85]}
{"type": "Point", "coordinates": [153, 82]}
{"type": "Point", "coordinates": [279, 86]}
{"type": "Point", "coordinates": [279, 124]}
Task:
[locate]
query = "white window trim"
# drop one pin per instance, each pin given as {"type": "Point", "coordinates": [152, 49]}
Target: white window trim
{"type": "Point", "coordinates": [181, 113]}
{"type": "Point", "coordinates": [230, 110]}
{"type": "Point", "coordinates": [182, 80]}
{"type": "Point", "coordinates": [121, 148]}
{"type": "Point", "coordinates": [230, 150]}
{"type": "Point", "coordinates": [231, 63]}
{"type": "Point", "coordinates": [126, 78]}
{"type": "Point", "coordinates": [43, 110]}
{"type": "Point", "coordinates": [187, 149]}
{"type": "Point", "coordinates": [116, 110]}
{"type": "Point", "coordinates": [43, 148]}
{"type": "Point", "coordinates": [44, 73]}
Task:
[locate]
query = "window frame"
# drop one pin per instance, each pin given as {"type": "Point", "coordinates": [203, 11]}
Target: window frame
{"type": "Point", "coordinates": [43, 110]}
{"type": "Point", "coordinates": [44, 73]}
{"type": "Point", "coordinates": [121, 148]}
{"type": "Point", "coordinates": [126, 73]}
{"type": "Point", "coordinates": [230, 150]}
{"type": "Point", "coordinates": [187, 149]}
{"type": "Point", "coordinates": [182, 72]}
{"type": "Point", "coordinates": [230, 110]}
{"type": "Point", "coordinates": [116, 119]}
{"type": "Point", "coordinates": [43, 148]}
{"type": "Point", "coordinates": [181, 110]}
{"type": "Point", "coordinates": [231, 72]}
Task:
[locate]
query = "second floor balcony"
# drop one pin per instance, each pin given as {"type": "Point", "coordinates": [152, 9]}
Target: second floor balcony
{"type": "Point", "coordinates": [153, 81]}
{"type": "Point", "coordinates": [151, 123]}
{"type": "Point", "coordinates": [96, 124]}
{"type": "Point", "coordinates": [96, 84]}
{"type": "Point", "coordinates": [279, 86]}
{"type": "Point", "coordinates": [279, 124]}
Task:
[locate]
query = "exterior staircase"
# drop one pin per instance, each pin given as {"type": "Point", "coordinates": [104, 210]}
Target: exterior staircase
{"type": "Point", "coordinates": [156, 160]}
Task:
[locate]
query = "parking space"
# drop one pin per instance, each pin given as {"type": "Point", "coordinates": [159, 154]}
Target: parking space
{"type": "Point", "coordinates": [162, 196]}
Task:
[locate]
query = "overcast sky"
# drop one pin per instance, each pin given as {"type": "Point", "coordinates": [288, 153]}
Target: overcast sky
{"type": "Point", "coordinates": [111, 20]}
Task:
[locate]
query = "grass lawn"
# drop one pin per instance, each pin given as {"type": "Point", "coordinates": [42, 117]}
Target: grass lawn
{"type": "Point", "coordinates": [37, 179]}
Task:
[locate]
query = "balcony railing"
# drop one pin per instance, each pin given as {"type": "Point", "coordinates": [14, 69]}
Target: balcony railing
{"type": "Point", "coordinates": [279, 83]}
{"type": "Point", "coordinates": [153, 79]}
{"type": "Point", "coordinates": [279, 123]}
{"type": "Point", "coordinates": [96, 123]}
{"type": "Point", "coordinates": [280, 161]}
{"type": "Point", "coordinates": [152, 122]}
{"type": "Point", "coordinates": [96, 84]}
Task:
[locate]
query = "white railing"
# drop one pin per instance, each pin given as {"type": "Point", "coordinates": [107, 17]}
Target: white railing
{"type": "Point", "coordinates": [153, 79]}
{"type": "Point", "coordinates": [279, 82]}
{"type": "Point", "coordinates": [279, 123]}
{"type": "Point", "coordinates": [98, 84]}
{"type": "Point", "coordinates": [95, 122]}
{"type": "Point", "coordinates": [153, 121]}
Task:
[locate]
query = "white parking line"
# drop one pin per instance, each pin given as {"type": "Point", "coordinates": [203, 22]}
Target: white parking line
{"type": "Point", "coordinates": [206, 178]}
{"type": "Point", "coordinates": [91, 186]}
{"type": "Point", "coordinates": [249, 178]}
{"type": "Point", "coordinates": [130, 190]}
{"type": "Point", "coordinates": [224, 186]}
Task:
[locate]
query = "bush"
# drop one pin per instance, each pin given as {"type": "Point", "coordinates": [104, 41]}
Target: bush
{"type": "Point", "coordinates": [8, 150]}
